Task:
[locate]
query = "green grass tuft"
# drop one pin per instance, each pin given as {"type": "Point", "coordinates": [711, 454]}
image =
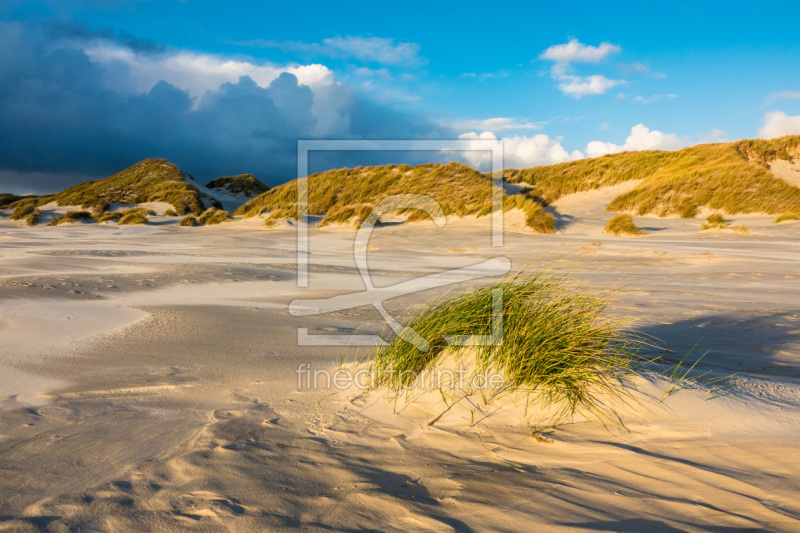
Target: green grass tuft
{"type": "Point", "coordinates": [688, 209]}
{"type": "Point", "coordinates": [623, 224]}
{"type": "Point", "coordinates": [786, 217]}
{"type": "Point", "coordinates": [170, 213]}
{"type": "Point", "coordinates": [135, 215]}
{"type": "Point", "coordinates": [23, 210]}
{"type": "Point", "coordinates": [715, 221]}
{"type": "Point", "coordinates": [212, 216]}
{"type": "Point", "coordinates": [554, 340]}
{"type": "Point", "coordinates": [243, 184]}
{"type": "Point", "coordinates": [33, 218]}
{"type": "Point", "coordinates": [535, 217]}
{"type": "Point", "coordinates": [109, 216]}
{"type": "Point", "coordinates": [71, 216]}
{"type": "Point", "coordinates": [189, 221]}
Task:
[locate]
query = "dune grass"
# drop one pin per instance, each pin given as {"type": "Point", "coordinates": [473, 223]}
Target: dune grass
{"type": "Point", "coordinates": [348, 195]}
{"type": "Point", "coordinates": [33, 217]}
{"type": "Point", "coordinates": [555, 341]}
{"type": "Point", "coordinates": [243, 184]}
{"type": "Point", "coordinates": [189, 221]}
{"type": "Point", "coordinates": [71, 216]}
{"type": "Point", "coordinates": [786, 217]}
{"type": "Point", "coordinates": [109, 216]}
{"type": "Point", "coordinates": [23, 210]}
{"type": "Point", "coordinates": [459, 189]}
{"type": "Point", "coordinates": [151, 180]}
{"type": "Point", "coordinates": [623, 224]}
{"type": "Point", "coordinates": [171, 213]}
{"type": "Point", "coordinates": [535, 217]}
{"type": "Point", "coordinates": [135, 215]}
{"type": "Point", "coordinates": [212, 216]}
{"type": "Point", "coordinates": [715, 221]}
{"type": "Point", "coordinates": [732, 177]}
{"type": "Point", "coordinates": [6, 199]}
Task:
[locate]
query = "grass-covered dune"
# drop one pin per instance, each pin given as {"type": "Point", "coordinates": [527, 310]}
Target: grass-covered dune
{"type": "Point", "coordinates": [9, 200]}
{"type": "Point", "coordinates": [243, 184]}
{"type": "Point", "coordinates": [350, 193]}
{"type": "Point", "coordinates": [731, 177]}
{"type": "Point", "coordinates": [151, 180]}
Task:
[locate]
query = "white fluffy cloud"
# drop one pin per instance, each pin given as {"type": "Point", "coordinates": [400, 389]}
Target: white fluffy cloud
{"type": "Point", "coordinates": [577, 52]}
{"type": "Point", "coordinates": [641, 138]}
{"type": "Point", "coordinates": [523, 151]}
{"type": "Point", "coordinates": [196, 72]}
{"type": "Point", "coordinates": [577, 86]}
{"type": "Point", "coordinates": [778, 124]}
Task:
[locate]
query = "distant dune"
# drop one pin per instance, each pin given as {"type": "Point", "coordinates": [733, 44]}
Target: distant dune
{"type": "Point", "coordinates": [742, 177]}
{"type": "Point", "coordinates": [731, 177]}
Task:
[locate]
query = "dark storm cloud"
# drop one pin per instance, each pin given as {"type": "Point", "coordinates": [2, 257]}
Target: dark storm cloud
{"type": "Point", "coordinates": [62, 30]}
{"type": "Point", "coordinates": [62, 115]}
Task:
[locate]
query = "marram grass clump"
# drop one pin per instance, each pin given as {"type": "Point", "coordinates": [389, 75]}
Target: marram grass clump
{"type": "Point", "coordinates": [212, 216]}
{"type": "Point", "coordinates": [71, 216]}
{"type": "Point", "coordinates": [786, 217]}
{"type": "Point", "coordinates": [189, 221]}
{"type": "Point", "coordinates": [33, 218]}
{"type": "Point", "coordinates": [135, 215]}
{"type": "Point", "coordinates": [116, 215]}
{"type": "Point", "coordinates": [623, 224]}
{"type": "Point", "coordinates": [23, 210]}
{"type": "Point", "coordinates": [555, 342]}
{"type": "Point", "coordinates": [715, 221]}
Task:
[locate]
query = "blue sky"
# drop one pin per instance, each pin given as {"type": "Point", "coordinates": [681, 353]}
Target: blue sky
{"type": "Point", "coordinates": [95, 85]}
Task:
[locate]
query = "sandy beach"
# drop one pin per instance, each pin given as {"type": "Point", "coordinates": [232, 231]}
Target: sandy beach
{"type": "Point", "coordinates": [150, 383]}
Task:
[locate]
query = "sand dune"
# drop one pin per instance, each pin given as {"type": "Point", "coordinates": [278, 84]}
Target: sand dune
{"type": "Point", "coordinates": [176, 404]}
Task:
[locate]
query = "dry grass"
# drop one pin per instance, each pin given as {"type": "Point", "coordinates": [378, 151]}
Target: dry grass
{"type": "Point", "coordinates": [731, 177]}
{"type": "Point", "coordinates": [786, 217]}
{"type": "Point", "coordinates": [715, 221]}
{"type": "Point", "coordinates": [33, 218]}
{"type": "Point", "coordinates": [23, 210]}
{"type": "Point", "coordinates": [623, 224]}
{"type": "Point", "coordinates": [6, 199]}
{"type": "Point", "coordinates": [212, 216]}
{"type": "Point", "coordinates": [243, 184]}
{"type": "Point", "coordinates": [109, 216]}
{"type": "Point", "coordinates": [535, 217]}
{"type": "Point", "coordinates": [151, 180]}
{"type": "Point", "coordinates": [70, 217]}
{"type": "Point", "coordinates": [349, 195]}
{"type": "Point", "coordinates": [135, 215]}
{"type": "Point", "coordinates": [189, 221]}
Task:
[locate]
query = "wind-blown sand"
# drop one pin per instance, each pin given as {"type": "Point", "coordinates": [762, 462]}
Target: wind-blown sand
{"type": "Point", "coordinates": [149, 383]}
